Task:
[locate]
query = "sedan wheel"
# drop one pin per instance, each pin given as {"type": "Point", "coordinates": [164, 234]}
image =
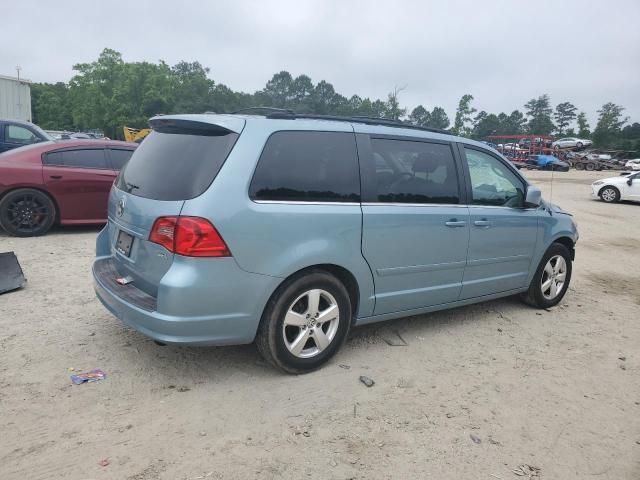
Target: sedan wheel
{"type": "Point", "coordinates": [26, 212]}
{"type": "Point", "coordinates": [609, 195]}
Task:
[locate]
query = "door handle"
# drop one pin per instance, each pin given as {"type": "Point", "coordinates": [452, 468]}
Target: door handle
{"type": "Point", "coordinates": [482, 223]}
{"type": "Point", "coordinates": [453, 223]}
{"type": "Point", "coordinates": [55, 177]}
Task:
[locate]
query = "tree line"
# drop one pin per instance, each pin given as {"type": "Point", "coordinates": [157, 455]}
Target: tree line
{"type": "Point", "coordinates": [110, 93]}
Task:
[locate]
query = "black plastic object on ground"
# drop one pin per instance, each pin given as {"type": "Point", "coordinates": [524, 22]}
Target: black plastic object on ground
{"type": "Point", "coordinates": [11, 276]}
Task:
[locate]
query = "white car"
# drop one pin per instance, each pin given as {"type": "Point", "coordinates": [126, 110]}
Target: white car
{"type": "Point", "coordinates": [614, 189]}
{"type": "Point", "coordinates": [633, 164]}
{"type": "Point", "coordinates": [571, 142]}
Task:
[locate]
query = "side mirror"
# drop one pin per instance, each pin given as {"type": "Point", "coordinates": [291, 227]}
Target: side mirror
{"type": "Point", "coordinates": [533, 197]}
{"type": "Point", "coordinates": [630, 181]}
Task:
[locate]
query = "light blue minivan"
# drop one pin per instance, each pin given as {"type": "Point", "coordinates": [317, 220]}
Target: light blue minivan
{"type": "Point", "coordinates": [288, 229]}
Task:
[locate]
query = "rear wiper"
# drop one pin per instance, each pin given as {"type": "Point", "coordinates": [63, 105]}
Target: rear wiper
{"type": "Point", "coordinates": [131, 187]}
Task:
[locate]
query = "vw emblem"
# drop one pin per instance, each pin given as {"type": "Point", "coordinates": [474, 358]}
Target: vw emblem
{"type": "Point", "coordinates": [120, 207]}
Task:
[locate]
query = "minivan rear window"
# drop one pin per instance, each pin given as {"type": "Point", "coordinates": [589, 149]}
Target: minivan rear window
{"type": "Point", "coordinates": [177, 165]}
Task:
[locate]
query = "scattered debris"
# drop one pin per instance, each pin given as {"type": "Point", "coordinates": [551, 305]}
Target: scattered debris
{"type": "Point", "coordinates": [333, 463]}
{"type": "Point", "coordinates": [475, 439]}
{"type": "Point", "coordinates": [92, 334]}
{"type": "Point", "coordinates": [527, 470]}
{"type": "Point", "coordinates": [450, 415]}
{"type": "Point", "coordinates": [203, 434]}
{"type": "Point", "coordinates": [346, 367]}
{"type": "Point", "coordinates": [500, 330]}
{"type": "Point", "coordinates": [367, 381]}
{"type": "Point", "coordinates": [11, 276]}
{"type": "Point", "coordinates": [183, 389]}
{"type": "Point", "coordinates": [394, 339]}
{"type": "Point", "coordinates": [622, 367]}
{"type": "Point", "coordinates": [306, 433]}
{"type": "Point", "coordinates": [493, 442]}
{"type": "Point", "coordinates": [624, 359]}
{"type": "Point", "coordinates": [87, 377]}
{"type": "Point", "coordinates": [104, 462]}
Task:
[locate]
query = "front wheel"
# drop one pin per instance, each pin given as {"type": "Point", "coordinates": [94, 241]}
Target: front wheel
{"type": "Point", "coordinates": [551, 281]}
{"type": "Point", "coordinates": [27, 213]}
{"type": "Point", "coordinates": [610, 195]}
{"type": "Point", "coordinates": [305, 322]}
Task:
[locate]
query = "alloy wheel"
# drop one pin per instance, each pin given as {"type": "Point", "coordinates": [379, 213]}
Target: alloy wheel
{"type": "Point", "coordinates": [27, 213]}
{"type": "Point", "coordinates": [311, 323]}
{"type": "Point", "coordinates": [554, 277]}
{"type": "Point", "coordinates": [608, 195]}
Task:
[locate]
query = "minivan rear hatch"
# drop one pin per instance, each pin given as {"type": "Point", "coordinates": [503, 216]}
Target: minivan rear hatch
{"type": "Point", "coordinates": [178, 161]}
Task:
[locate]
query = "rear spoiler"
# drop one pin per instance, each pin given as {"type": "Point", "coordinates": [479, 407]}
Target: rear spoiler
{"type": "Point", "coordinates": [207, 125]}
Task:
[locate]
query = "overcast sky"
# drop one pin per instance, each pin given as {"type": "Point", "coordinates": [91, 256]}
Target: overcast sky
{"type": "Point", "coordinates": [502, 52]}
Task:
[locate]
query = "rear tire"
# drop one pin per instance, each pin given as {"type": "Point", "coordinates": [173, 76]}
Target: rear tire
{"type": "Point", "coordinates": [551, 281]}
{"type": "Point", "coordinates": [305, 322]}
{"type": "Point", "coordinates": [590, 167]}
{"type": "Point", "coordinates": [610, 195]}
{"type": "Point", "coordinates": [579, 166]}
{"type": "Point", "coordinates": [27, 212]}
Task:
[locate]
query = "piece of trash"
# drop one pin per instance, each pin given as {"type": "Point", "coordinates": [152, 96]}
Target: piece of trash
{"type": "Point", "coordinates": [71, 369]}
{"type": "Point", "coordinates": [624, 359]}
{"type": "Point", "coordinates": [11, 276]}
{"type": "Point", "coordinates": [183, 389]}
{"type": "Point", "coordinates": [500, 330]}
{"type": "Point", "coordinates": [475, 438]}
{"type": "Point", "coordinates": [104, 462]}
{"type": "Point", "coordinates": [86, 377]}
{"type": "Point", "coordinates": [306, 433]}
{"type": "Point", "coordinates": [203, 434]}
{"type": "Point", "coordinates": [528, 470]}
{"type": "Point", "coordinates": [346, 367]}
{"type": "Point", "coordinates": [367, 381]}
{"type": "Point", "coordinates": [393, 339]}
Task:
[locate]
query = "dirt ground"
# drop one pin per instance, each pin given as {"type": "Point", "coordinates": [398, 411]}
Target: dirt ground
{"type": "Point", "coordinates": [476, 392]}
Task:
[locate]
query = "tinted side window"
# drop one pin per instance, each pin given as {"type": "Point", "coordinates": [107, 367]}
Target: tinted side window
{"type": "Point", "coordinates": [414, 172]}
{"type": "Point", "coordinates": [119, 158]}
{"type": "Point", "coordinates": [492, 182]}
{"type": "Point", "coordinates": [78, 158]}
{"type": "Point", "coordinates": [308, 166]}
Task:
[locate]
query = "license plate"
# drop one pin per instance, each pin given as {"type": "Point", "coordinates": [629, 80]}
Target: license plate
{"type": "Point", "coordinates": [124, 242]}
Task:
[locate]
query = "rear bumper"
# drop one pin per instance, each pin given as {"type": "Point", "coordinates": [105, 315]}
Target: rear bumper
{"type": "Point", "coordinates": [195, 306]}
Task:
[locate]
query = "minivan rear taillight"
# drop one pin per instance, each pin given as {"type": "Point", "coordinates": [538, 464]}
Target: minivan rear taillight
{"type": "Point", "coordinates": [189, 236]}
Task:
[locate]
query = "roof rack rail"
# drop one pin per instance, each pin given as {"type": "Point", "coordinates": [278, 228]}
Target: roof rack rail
{"type": "Point", "coordinates": [266, 110]}
{"type": "Point", "coordinates": [288, 114]}
{"type": "Point", "coordinates": [386, 122]}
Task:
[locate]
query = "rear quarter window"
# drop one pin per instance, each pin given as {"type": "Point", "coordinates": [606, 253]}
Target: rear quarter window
{"type": "Point", "coordinates": [177, 165]}
{"type": "Point", "coordinates": [309, 167]}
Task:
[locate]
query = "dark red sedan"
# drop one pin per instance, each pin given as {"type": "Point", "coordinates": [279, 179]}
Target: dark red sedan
{"type": "Point", "coordinates": [65, 182]}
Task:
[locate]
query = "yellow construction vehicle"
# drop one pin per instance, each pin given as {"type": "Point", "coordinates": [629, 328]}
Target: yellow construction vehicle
{"type": "Point", "coordinates": [135, 134]}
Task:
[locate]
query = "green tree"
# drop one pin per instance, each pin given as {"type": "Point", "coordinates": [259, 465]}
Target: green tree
{"type": "Point", "coordinates": [461, 124]}
{"type": "Point", "coordinates": [420, 116]}
{"type": "Point", "coordinates": [539, 112]}
{"type": "Point", "coordinates": [583, 125]}
{"type": "Point", "coordinates": [609, 126]}
{"type": "Point", "coordinates": [279, 90]}
{"type": "Point", "coordinates": [438, 119]}
{"type": "Point", "coordinates": [565, 114]}
{"type": "Point", "coordinates": [392, 108]}
{"type": "Point", "coordinates": [191, 87]}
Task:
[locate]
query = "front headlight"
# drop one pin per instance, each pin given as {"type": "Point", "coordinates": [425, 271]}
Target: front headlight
{"type": "Point", "coordinates": [599, 182]}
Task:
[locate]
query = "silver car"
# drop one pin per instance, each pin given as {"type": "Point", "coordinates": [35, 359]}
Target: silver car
{"type": "Point", "coordinates": [571, 142]}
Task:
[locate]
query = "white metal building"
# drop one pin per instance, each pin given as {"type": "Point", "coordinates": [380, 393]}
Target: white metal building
{"type": "Point", "coordinates": [15, 98]}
